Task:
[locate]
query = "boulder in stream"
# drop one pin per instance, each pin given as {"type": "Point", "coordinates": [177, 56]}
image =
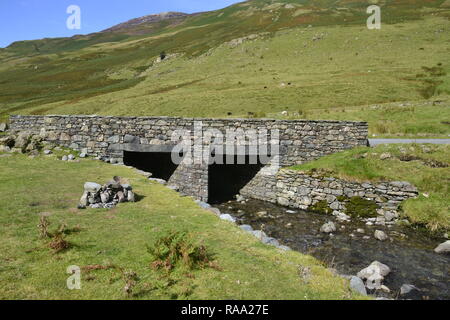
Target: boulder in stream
{"type": "Point", "coordinates": [443, 247]}
{"type": "Point", "coordinates": [374, 275]}
{"type": "Point", "coordinates": [380, 235]}
{"type": "Point", "coordinates": [328, 227]}
{"type": "Point", "coordinates": [407, 288]}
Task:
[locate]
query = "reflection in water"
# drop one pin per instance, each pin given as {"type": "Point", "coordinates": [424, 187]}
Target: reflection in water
{"type": "Point", "coordinates": [408, 253]}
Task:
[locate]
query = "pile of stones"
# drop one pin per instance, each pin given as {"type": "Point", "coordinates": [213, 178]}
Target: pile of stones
{"type": "Point", "coordinates": [107, 196]}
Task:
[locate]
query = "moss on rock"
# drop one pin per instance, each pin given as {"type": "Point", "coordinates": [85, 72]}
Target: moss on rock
{"type": "Point", "coordinates": [321, 207]}
{"type": "Point", "coordinates": [358, 207]}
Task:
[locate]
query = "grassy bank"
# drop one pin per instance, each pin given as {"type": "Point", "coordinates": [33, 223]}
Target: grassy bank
{"type": "Point", "coordinates": [29, 269]}
{"type": "Point", "coordinates": [425, 166]}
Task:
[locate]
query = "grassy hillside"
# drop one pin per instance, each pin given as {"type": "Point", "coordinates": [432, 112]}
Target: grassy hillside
{"type": "Point", "coordinates": [425, 166]}
{"type": "Point", "coordinates": [315, 59]}
{"type": "Point", "coordinates": [99, 239]}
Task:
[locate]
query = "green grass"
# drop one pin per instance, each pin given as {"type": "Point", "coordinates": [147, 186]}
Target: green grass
{"type": "Point", "coordinates": [351, 73]}
{"type": "Point", "coordinates": [29, 269]}
{"type": "Point", "coordinates": [425, 166]}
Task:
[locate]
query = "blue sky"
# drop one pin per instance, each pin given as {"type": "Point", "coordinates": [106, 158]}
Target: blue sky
{"type": "Point", "coordinates": [36, 19]}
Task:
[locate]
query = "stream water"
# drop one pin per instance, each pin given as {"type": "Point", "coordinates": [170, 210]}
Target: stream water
{"type": "Point", "coordinates": [408, 253]}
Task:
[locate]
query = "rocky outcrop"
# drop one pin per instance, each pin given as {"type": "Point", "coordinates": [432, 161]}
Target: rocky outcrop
{"type": "Point", "coordinates": [22, 142]}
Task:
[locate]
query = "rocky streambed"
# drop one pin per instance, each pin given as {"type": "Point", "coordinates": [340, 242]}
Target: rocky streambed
{"type": "Point", "coordinates": [410, 255]}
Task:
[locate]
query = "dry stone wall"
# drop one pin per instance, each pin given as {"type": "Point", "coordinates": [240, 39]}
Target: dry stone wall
{"type": "Point", "coordinates": [303, 190]}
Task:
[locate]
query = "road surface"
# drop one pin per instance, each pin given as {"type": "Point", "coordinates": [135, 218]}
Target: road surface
{"type": "Point", "coordinates": [375, 142]}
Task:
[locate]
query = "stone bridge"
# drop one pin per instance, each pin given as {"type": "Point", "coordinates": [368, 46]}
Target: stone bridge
{"type": "Point", "coordinates": [147, 143]}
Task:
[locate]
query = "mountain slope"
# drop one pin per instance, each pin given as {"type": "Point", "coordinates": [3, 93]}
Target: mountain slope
{"type": "Point", "coordinates": [237, 60]}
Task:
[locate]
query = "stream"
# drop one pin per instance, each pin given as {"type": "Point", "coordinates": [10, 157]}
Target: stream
{"type": "Point", "coordinates": [407, 252]}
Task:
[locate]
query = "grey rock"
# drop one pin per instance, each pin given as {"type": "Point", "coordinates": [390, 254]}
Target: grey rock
{"type": "Point", "coordinates": [22, 140]}
{"type": "Point", "coordinates": [227, 217]}
{"type": "Point", "coordinates": [114, 184]}
{"type": "Point", "coordinates": [259, 234]}
{"type": "Point", "coordinates": [246, 227]}
{"type": "Point", "coordinates": [358, 285]}
{"type": "Point", "coordinates": [83, 155]}
{"type": "Point", "coordinates": [407, 288]}
{"type": "Point", "coordinates": [5, 148]}
{"type": "Point", "coordinates": [47, 152]}
{"type": "Point", "coordinates": [390, 215]}
{"type": "Point", "coordinates": [160, 181]}
{"type": "Point", "coordinates": [443, 247]}
{"type": "Point", "coordinates": [120, 196]}
{"type": "Point", "coordinates": [303, 191]}
{"type": "Point", "coordinates": [74, 146]}
{"type": "Point", "coordinates": [3, 127]}
{"type": "Point", "coordinates": [385, 156]}
{"type": "Point", "coordinates": [262, 214]}
{"type": "Point", "coordinates": [284, 248]}
{"type": "Point", "coordinates": [374, 267]}
{"type": "Point", "coordinates": [131, 139]}
{"type": "Point", "coordinates": [271, 241]}
{"type": "Point", "coordinates": [374, 281]}
{"type": "Point", "coordinates": [341, 216]}
{"type": "Point", "coordinates": [385, 289]}
{"type": "Point", "coordinates": [328, 227]}
{"type": "Point", "coordinates": [283, 201]}
{"type": "Point", "coordinates": [131, 196]}
{"type": "Point", "coordinates": [104, 196]}
{"type": "Point", "coordinates": [398, 184]}
{"type": "Point", "coordinates": [70, 157]}
{"type": "Point", "coordinates": [92, 187]}
{"type": "Point", "coordinates": [174, 188]}
{"type": "Point", "coordinates": [114, 139]}
{"type": "Point", "coordinates": [127, 186]}
{"type": "Point", "coordinates": [84, 199]}
{"type": "Point", "coordinates": [335, 205]}
{"type": "Point", "coordinates": [380, 235]}
{"type": "Point", "coordinates": [202, 204]}
{"type": "Point", "coordinates": [65, 158]}
{"type": "Point", "coordinates": [215, 211]}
